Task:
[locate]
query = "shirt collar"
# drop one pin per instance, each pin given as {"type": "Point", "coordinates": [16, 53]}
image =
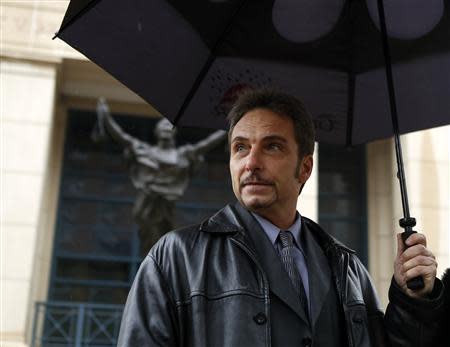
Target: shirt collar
{"type": "Point", "coordinates": [272, 231]}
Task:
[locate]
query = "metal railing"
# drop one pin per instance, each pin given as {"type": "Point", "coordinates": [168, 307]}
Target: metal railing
{"type": "Point", "coordinates": [63, 324]}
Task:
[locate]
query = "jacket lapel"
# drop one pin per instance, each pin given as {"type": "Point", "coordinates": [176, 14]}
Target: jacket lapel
{"type": "Point", "coordinates": [319, 273]}
{"type": "Point", "coordinates": [279, 282]}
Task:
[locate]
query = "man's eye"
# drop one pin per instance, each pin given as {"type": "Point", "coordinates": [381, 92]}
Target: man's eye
{"type": "Point", "coordinates": [239, 147]}
{"type": "Point", "coordinates": [275, 146]}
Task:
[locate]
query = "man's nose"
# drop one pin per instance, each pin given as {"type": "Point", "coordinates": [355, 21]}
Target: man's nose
{"type": "Point", "coordinates": [253, 160]}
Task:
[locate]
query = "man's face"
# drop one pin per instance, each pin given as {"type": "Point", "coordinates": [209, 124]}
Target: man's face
{"type": "Point", "coordinates": [265, 168]}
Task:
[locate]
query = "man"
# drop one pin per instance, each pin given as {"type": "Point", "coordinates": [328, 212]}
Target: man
{"type": "Point", "coordinates": [259, 274]}
{"type": "Point", "coordinates": [160, 173]}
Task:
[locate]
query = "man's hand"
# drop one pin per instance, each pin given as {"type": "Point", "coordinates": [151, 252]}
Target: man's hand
{"type": "Point", "coordinates": [416, 260]}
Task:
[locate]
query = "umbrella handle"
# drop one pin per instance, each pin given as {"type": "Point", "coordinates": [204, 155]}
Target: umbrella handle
{"type": "Point", "coordinates": [408, 223]}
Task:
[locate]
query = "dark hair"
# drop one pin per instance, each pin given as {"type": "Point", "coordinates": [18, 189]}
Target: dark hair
{"type": "Point", "coordinates": [282, 104]}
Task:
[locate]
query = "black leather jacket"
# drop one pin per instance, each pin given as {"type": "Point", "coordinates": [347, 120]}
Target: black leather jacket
{"type": "Point", "coordinates": [202, 285]}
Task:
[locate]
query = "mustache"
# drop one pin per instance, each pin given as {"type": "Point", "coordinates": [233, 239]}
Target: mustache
{"type": "Point", "coordinates": [254, 178]}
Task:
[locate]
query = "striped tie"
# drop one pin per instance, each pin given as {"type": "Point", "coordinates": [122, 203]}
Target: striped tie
{"type": "Point", "coordinates": [290, 267]}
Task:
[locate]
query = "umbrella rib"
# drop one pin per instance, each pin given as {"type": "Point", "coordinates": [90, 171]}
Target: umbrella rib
{"type": "Point", "coordinates": [194, 88]}
{"type": "Point", "coordinates": [75, 17]}
{"type": "Point", "coordinates": [208, 63]}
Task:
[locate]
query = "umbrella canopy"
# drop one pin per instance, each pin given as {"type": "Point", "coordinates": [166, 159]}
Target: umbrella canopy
{"type": "Point", "coordinates": [364, 69]}
{"type": "Point", "coordinates": [189, 59]}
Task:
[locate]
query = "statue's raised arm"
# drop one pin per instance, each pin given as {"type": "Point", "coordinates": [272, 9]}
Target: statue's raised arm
{"type": "Point", "coordinates": [106, 122]}
{"type": "Point", "coordinates": [209, 142]}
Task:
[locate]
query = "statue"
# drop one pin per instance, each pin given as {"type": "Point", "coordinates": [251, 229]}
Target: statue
{"type": "Point", "coordinates": [160, 172]}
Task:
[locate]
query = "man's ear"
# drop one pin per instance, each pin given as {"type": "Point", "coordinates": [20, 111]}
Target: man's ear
{"type": "Point", "coordinates": [306, 166]}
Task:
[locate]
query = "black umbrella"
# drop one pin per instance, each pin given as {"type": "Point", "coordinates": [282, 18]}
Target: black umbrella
{"type": "Point", "coordinates": [365, 72]}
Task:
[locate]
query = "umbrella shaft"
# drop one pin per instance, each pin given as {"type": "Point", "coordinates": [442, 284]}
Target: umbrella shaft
{"type": "Point", "coordinates": [401, 178]}
{"type": "Point", "coordinates": [406, 222]}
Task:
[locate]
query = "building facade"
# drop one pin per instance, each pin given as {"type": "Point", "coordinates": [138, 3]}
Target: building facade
{"type": "Point", "coordinates": [48, 94]}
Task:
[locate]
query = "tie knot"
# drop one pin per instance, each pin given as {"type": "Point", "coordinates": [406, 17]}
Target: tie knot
{"type": "Point", "coordinates": [286, 238]}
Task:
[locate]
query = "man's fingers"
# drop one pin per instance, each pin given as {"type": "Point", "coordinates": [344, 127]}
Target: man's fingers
{"type": "Point", "coordinates": [415, 251]}
{"type": "Point", "coordinates": [412, 261]}
{"type": "Point", "coordinates": [420, 271]}
{"type": "Point", "coordinates": [420, 260]}
{"type": "Point", "coordinates": [427, 271]}
{"type": "Point", "coordinates": [400, 245]}
{"type": "Point", "coordinates": [413, 239]}
{"type": "Point", "coordinates": [415, 245]}
{"type": "Point", "coordinates": [417, 261]}
{"type": "Point", "coordinates": [416, 238]}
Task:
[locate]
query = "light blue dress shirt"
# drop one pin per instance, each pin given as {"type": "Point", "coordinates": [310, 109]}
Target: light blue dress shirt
{"type": "Point", "coordinates": [299, 255]}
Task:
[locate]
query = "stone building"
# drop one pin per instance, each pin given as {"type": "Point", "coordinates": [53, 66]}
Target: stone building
{"type": "Point", "coordinates": [48, 96]}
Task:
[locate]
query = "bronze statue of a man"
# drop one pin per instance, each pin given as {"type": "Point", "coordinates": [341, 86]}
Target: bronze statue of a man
{"type": "Point", "coordinates": [160, 172]}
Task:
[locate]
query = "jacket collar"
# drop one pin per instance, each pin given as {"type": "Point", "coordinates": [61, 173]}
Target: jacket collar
{"type": "Point", "coordinates": [237, 222]}
{"type": "Point", "coordinates": [224, 221]}
{"type": "Point", "coordinates": [227, 221]}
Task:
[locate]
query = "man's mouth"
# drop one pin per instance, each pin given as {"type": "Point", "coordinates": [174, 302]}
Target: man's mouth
{"type": "Point", "coordinates": [255, 182]}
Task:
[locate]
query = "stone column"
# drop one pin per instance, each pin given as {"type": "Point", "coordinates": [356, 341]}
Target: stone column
{"type": "Point", "coordinates": [27, 108]}
{"type": "Point", "coordinates": [382, 222]}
